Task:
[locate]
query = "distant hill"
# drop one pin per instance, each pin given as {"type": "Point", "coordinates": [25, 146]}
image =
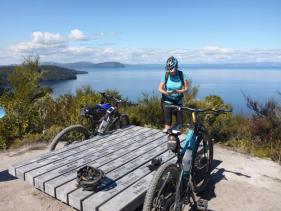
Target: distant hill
{"type": "Point", "coordinates": [87, 64]}
{"type": "Point", "coordinates": [56, 73]}
{"type": "Point", "coordinates": [50, 73]}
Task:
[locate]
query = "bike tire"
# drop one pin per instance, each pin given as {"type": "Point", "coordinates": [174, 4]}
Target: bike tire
{"type": "Point", "coordinates": [200, 174]}
{"type": "Point", "coordinates": [156, 184]}
{"type": "Point", "coordinates": [73, 128]}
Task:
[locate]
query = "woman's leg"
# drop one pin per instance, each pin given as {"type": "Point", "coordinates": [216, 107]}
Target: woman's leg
{"type": "Point", "coordinates": [168, 117]}
{"type": "Point", "coordinates": [179, 117]}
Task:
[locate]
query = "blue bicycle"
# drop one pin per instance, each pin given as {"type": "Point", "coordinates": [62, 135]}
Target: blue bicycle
{"type": "Point", "coordinates": [174, 184]}
{"type": "Point", "coordinates": [101, 118]}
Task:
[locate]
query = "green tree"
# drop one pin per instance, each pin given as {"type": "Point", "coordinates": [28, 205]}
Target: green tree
{"type": "Point", "coordinates": [20, 100]}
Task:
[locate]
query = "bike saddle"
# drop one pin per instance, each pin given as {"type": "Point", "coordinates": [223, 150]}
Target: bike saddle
{"type": "Point", "coordinates": [88, 111]}
{"type": "Point", "coordinates": [175, 130]}
{"type": "Point", "coordinates": [172, 131]}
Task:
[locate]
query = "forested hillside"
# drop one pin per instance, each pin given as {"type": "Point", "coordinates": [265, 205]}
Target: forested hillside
{"type": "Point", "coordinates": [50, 73]}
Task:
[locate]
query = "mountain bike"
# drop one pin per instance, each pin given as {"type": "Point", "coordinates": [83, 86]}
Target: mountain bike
{"type": "Point", "coordinates": [173, 184]}
{"type": "Point", "coordinates": [110, 119]}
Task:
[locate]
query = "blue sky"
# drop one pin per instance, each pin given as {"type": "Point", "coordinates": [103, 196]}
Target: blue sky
{"type": "Point", "coordinates": [196, 31]}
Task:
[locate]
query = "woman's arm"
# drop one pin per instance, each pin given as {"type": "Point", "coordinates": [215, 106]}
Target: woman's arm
{"type": "Point", "coordinates": [185, 89]}
{"type": "Point", "coordinates": [162, 88]}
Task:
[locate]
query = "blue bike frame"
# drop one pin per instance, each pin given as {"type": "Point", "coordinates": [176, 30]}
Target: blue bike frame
{"type": "Point", "coordinates": [188, 144]}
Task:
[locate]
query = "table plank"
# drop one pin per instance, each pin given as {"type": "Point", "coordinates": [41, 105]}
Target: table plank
{"type": "Point", "coordinates": [132, 197]}
{"type": "Point", "coordinates": [124, 155]}
{"type": "Point", "coordinates": [63, 190]}
{"type": "Point", "coordinates": [79, 195]}
{"type": "Point", "coordinates": [12, 168]}
{"type": "Point", "coordinates": [96, 200]}
{"type": "Point", "coordinates": [75, 160]}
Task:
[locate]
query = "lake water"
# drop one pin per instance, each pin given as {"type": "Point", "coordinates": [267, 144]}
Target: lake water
{"type": "Point", "coordinates": [132, 81]}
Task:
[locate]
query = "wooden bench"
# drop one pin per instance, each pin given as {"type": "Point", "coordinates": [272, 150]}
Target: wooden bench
{"type": "Point", "coordinates": [123, 155]}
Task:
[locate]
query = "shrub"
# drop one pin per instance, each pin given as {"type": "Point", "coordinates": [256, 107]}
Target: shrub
{"type": "Point", "coordinates": [147, 112]}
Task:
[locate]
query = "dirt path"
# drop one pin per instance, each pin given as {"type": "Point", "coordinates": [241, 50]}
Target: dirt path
{"type": "Point", "coordinates": [16, 195]}
{"type": "Point", "coordinates": [242, 182]}
{"type": "Point", "coordinates": [238, 182]}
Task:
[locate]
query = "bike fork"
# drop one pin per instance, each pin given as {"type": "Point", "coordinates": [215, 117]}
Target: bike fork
{"type": "Point", "coordinates": [178, 193]}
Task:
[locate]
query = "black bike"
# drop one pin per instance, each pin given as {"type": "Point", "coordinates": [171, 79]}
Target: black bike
{"type": "Point", "coordinates": [174, 184]}
{"type": "Point", "coordinates": [110, 119]}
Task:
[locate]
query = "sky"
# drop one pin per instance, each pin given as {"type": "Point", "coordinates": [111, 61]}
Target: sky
{"type": "Point", "coordinates": [144, 31]}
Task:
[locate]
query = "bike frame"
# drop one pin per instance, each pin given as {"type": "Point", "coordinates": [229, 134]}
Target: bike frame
{"type": "Point", "coordinates": [194, 135]}
{"type": "Point", "coordinates": [189, 144]}
{"type": "Point", "coordinates": [111, 115]}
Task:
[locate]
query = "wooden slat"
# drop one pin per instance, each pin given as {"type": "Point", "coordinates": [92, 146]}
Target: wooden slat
{"type": "Point", "coordinates": [132, 197]}
{"type": "Point", "coordinates": [110, 164]}
{"type": "Point", "coordinates": [122, 155]}
{"type": "Point", "coordinates": [87, 197]}
{"type": "Point", "coordinates": [119, 158]}
{"type": "Point", "coordinates": [12, 168]}
{"type": "Point", "coordinates": [81, 148]}
{"type": "Point", "coordinates": [88, 155]}
{"type": "Point", "coordinates": [96, 200]}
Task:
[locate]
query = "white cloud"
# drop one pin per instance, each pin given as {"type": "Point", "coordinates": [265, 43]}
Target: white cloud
{"type": "Point", "coordinates": [98, 35]}
{"type": "Point", "coordinates": [106, 44]}
{"type": "Point", "coordinates": [42, 44]}
{"type": "Point", "coordinates": [142, 55]}
{"type": "Point", "coordinates": [76, 35]}
{"type": "Point", "coordinates": [46, 38]}
{"type": "Point", "coordinates": [216, 50]}
{"type": "Point", "coordinates": [53, 47]}
{"type": "Point", "coordinates": [31, 48]}
{"type": "Point", "coordinates": [103, 34]}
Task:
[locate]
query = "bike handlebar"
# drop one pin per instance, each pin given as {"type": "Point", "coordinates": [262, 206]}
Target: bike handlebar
{"type": "Point", "coordinates": [113, 98]}
{"type": "Point", "coordinates": [198, 110]}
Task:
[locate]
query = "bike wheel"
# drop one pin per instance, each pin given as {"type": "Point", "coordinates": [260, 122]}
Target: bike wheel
{"type": "Point", "coordinates": [162, 189]}
{"type": "Point", "coordinates": [201, 164]}
{"type": "Point", "coordinates": [73, 133]}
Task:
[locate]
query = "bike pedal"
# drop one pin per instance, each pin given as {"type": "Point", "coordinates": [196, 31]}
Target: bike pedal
{"type": "Point", "coordinates": [202, 204]}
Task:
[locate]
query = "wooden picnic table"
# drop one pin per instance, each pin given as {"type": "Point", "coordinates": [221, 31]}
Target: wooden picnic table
{"type": "Point", "coordinates": [123, 155]}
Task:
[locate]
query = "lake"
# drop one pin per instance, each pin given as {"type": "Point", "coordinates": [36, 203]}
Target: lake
{"type": "Point", "coordinates": [133, 80]}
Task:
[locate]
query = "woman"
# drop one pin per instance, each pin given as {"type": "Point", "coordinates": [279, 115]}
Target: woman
{"type": "Point", "coordinates": [172, 86]}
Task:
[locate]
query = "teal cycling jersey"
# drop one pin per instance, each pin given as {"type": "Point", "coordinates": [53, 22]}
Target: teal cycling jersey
{"type": "Point", "coordinates": [173, 83]}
